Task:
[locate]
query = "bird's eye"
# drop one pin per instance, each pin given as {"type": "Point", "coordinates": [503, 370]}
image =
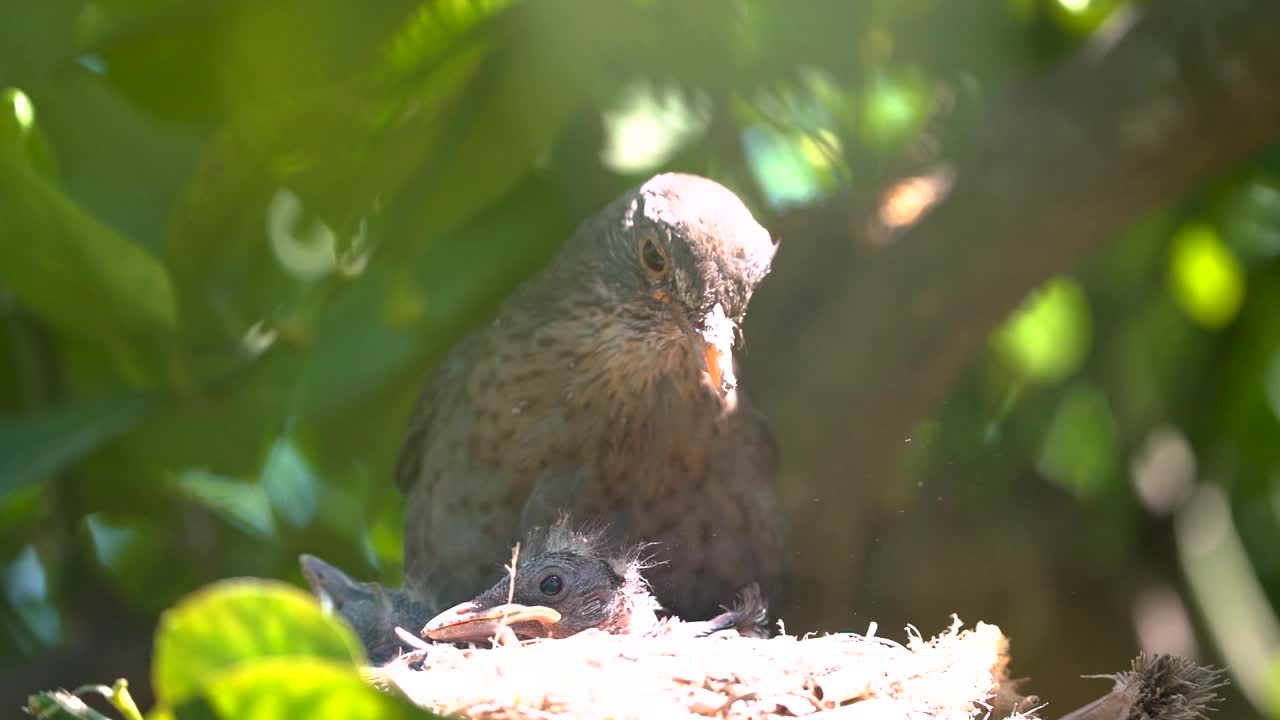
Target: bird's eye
{"type": "Point", "coordinates": [652, 257]}
{"type": "Point", "coordinates": [551, 585]}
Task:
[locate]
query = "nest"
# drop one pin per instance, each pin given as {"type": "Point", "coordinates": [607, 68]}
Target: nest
{"type": "Point", "coordinates": [957, 675]}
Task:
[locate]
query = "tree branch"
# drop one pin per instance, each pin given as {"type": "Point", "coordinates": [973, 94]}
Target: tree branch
{"type": "Point", "coordinates": [1136, 119]}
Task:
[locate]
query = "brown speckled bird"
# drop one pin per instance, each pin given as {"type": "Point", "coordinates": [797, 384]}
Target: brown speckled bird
{"type": "Point", "coordinates": [605, 387]}
{"type": "Point", "coordinates": [568, 581]}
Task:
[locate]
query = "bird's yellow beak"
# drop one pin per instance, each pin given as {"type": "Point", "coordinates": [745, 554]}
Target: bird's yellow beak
{"type": "Point", "coordinates": [714, 343]}
{"type": "Point", "coordinates": [716, 339]}
{"type": "Point", "coordinates": [712, 357]}
{"type": "Point", "coordinates": [466, 622]}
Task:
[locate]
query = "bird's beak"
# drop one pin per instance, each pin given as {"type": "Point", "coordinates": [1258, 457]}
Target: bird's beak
{"type": "Point", "coordinates": [712, 341]}
{"type": "Point", "coordinates": [467, 622]}
{"type": "Point", "coordinates": [716, 336]}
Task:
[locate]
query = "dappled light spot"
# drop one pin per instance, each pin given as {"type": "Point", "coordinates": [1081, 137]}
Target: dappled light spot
{"type": "Point", "coordinates": [1049, 336]}
{"type": "Point", "coordinates": [291, 483]}
{"type": "Point", "coordinates": [93, 62]}
{"type": "Point", "coordinates": [1205, 277]}
{"type": "Point", "coordinates": [26, 588]}
{"type": "Point", "coordinates": [258, 338]}
{"type": "Point", "coordinates": [782, 167]}
{"type": "Point", "coordinates": [1083, 17]}
{"type": "Point", "coordinates": [1164, 471]}
{"type": "Point", "coordinates": [308, 255]}
{"type": "Point", "coordinates": [646, 127]}
{"type": "Point", "coordinates": [894, 109]}
{"type": "Point", "coordinates": [1162, 622]}
{"type": "Point", "coordinates": [1080, 451]}
{"type": "Point", "coordinates": [354, 259]}
{"type": "Point", "coordinates": [20, 107]}
{"type": "Point", "coordinates": [906, 201]}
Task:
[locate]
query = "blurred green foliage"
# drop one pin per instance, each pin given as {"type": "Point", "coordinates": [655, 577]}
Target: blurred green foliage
{"type": "Point", "coordinates": [249, 649]}
{"type": "Point", "coordinates": [235, 235]}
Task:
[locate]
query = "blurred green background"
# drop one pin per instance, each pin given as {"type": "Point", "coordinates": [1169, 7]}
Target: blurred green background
{"type": "Point", "coordinates": [236, 235]}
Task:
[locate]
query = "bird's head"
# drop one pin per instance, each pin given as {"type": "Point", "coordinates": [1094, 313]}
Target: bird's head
{"type": "Point", "coordinates": [677, 259]}
{"type": "Point", "coordinates": [371, 610]}
{"type": "Point", "coordinates": [564, 583]}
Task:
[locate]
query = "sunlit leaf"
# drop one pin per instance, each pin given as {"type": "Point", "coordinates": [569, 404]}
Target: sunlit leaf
{"type": "Point", "coordinates": [290, 483]}
{"type": "Point", "coordinates": [26, 589]}
{"type": "Point", "coordinates": [243, 504]}
{"type": "Point", "coordinates": [311, 148]}
{"type": "Point", "coordinates": [19, 129]}
{"type": "Point", "coordinates": [433, 28]}
{"type": "Point", "coordinates": [285, 688]}
{"type": "Point", "coordinates": [647, 126]}
{"type": "Point", "coordinates": [61, 705]}
{"type": "Point", "coordinates": [1082, 17]}
{"type": "Point", "coordinates": [466, 171]}
{"type": "Point", "coordinates": [33, 447]}
{"type": "Point", "coordinates": [1205, 278]}
{"type": "Point", "coordinates": [234, 621]}
{"type": "Point", "coordinates": [1049, 336]}
{"type": "Point", "coordinates": [1081, 450]}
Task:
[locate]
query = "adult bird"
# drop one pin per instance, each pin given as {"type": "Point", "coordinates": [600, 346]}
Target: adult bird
{"type": "Point", "coordinates": [567, 581]}
{"type": "Point", "coordinates": [605, 387]}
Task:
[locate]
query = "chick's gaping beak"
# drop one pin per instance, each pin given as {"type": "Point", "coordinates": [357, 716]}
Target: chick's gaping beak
{"type": "Point", "coordinates": [467, 622]}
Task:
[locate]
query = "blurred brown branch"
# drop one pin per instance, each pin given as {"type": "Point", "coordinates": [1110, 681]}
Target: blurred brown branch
{"type": "Point", "coordinates": [1152, 107]}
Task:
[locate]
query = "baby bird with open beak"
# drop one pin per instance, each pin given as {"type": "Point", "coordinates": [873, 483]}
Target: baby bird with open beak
{"type": "Point", "coordinates": [566, 582]}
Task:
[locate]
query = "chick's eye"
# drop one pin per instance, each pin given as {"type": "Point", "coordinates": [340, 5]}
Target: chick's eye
{"type": "Point", "coordinates": [551, 585]}
{"type": "Point", "coordinates": [652, 257]}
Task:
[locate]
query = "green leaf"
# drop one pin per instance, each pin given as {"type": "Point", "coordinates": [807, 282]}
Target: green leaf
{"type": "Point", "coordinates": [1081, 449]}
{"type": "Point", "coordinates": [396, 316]}
{"type": "Point", "coordinates": [280, 171]}
{"type": "Point", "coordinates": [243, 504]}
{"type": "Point", "coordinates": [18, 128]}
{"type": "Point", "coordinates": [284, 688]}
{"type": "Point", "coordinates": [70, 269]}
{"type": "Point", "coordinates": [33, 447]}
{"type": "Point", "coordinates": [234, 621]}
{"type": "Point", "coordinates": [1049, 336]}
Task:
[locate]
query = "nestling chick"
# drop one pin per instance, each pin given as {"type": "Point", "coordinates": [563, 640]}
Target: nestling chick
{"type": "Point", "coordinates": [566, 582]}
{"type": "Point", "coordinates": [371, 610]}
